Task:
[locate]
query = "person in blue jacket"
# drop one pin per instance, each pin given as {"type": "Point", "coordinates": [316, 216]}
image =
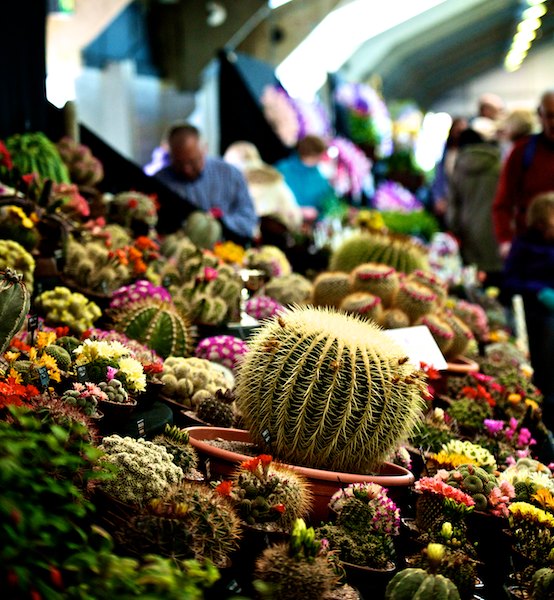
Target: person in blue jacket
{"type": "Point", "coordinates": [302, 174]}
{"type": "Point", "coordinates": [529, 271]}
{"type": "Point", "coordinates": [209, 184]}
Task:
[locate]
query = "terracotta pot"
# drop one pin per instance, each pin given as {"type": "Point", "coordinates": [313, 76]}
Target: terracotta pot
{"type": "Point", "coordinates": [371, 582]}
{"type": "Point", "coordinates": [323, 483]}
{"type": "Point", "coordinates": [457, 367]}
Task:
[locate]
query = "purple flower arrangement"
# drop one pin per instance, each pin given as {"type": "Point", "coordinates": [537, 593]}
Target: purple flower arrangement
{"type": "Point", "coordinates": [391, 196]}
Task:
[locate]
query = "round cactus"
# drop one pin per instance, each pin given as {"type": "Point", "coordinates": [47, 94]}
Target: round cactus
{"type": "Point", "coordinates": [14, 256]}
{"type": "Point", "coordinates": [394, 318]}
{"type": "Point", "coordinates": [378, 279]}
{"type": "Point", "coordinates": [138, 291]}
{"type": "Point", "coordinates": [327, 389]}
{"type": "Point", "coordinates": [14, 306]}
{"type": "Point", "coordinates": [365, 304]}
{"type": "Point", "coordinates": [262, 307]}
{"type": "Point", "coordinates": [158, 325]}
{"type": "Point", "coordinates": [440, 330]}
{"type": "Point", "coordinates": [202, 229]}
{"type": "Point", "coordinates": [63, 307]}
{"type": "Point", "coordinates": [415, 299]}
{"type": "Point", "coordinates": [330, 289]}
{"type": "Point", "coordinates": [289, 289]}
{"type": "Point", "coordinates": [542, 584]}
{"type": "Point", "coordinates": [176, 442]}
{"type": "Point", "coordinates": [223, 349]}
{"type": "Point", "coordinates": [431, 281]}
{"type": "Point", "coordinates": [60, 355]}
{"type": "Point", "coordinates": [84, 168]}
{"type": "Point", "coordinates": [462, 335]}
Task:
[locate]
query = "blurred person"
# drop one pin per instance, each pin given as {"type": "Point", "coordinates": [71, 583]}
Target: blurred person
{"type": "Point", "coordinates": [518, 124]}
{"type": "Point", "coordinates": [529, 271]}
{"type": "Point", "coordinates": [207, 183]}
{"type": "Point", "coordinates": [301, 172]}
{"type": "Point", "coordinates": [491, 106]}
{"type": "Point", "coordinates": [527, 171]}
{"type": "Point", "coordinates": [472, 188]}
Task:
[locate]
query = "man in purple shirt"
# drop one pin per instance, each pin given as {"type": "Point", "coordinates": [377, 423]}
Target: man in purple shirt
{"type": "Point", "coordinates": [209, 184]}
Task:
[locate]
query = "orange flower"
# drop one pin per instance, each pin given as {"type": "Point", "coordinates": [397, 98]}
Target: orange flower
{"type": "Point", "coordinates": [224, 488]}
{"type": "Point", "coordinates": [514, 398]}
{"type": "Point", "coordinates": [250, 465]}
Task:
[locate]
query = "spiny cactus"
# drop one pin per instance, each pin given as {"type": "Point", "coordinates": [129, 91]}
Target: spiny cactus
{"type": "Point", "coordinates": [295, 571]}
{"type": "Point", "coordinates": [61, 306]}
{"type": "Point", "coordinates": [69, 343]}
{"type": "Point", "coordinates": [14, 256]}
{"type": "Point", "coordinates": [176, 442]}
{"type": "Point", "coordinates": [378, 279]}
{"type": "Point", "coordinates": [202, 229]}
{"type": "Point", "coordinates": [415, 299]}
{"type": "Point", "coordinates": [330, 289]}
{"type": "Point", "coordinates": [115, 391]}
{"type": "Point", "coordinates": [84, 168]}
{"type": "Point", "coordinates": [474, 316]}
{"type": "Point", "coordinates": [14, 306]}
{"type": "Point", "coordinates": [158, 325]}
{"type": "Point", "coordinates": [440, 330]}
{"type": "Point", "coordinates": [542, 584]}
{"type": "Point", "coordinates": [396, 251]}
{"type": "Point", "coordinates": [432, 281]}
{"type": "Point", "coordinates": [462, 335]}
{"type": "Point", "coordinates": [394, 318]}
{"type": "Point", "coordinates": [326, 389]}
{"type": "Point", "coordinates": [475, 482]}
{"type": "Point", "coordinates": [269, 259]}
{"type": "Point", "coordinates": [365, 304]}
{"type": "Point", "coordinates": [262, 307]}
{"type": "Point", "coordinates": [226, 350]}
{"type": "Point", "coordinates": [129, 207]}
{"type": "Point", "coordinates": [289, 289]}
{"type": "Point", "coordinates": [60, 355]}
{"type": "Point", "coordinates": [138, 291]}
{"type": "Point", "coordinates": [218, 409]}
{"type": "Point", "coordinates": [412, 583]}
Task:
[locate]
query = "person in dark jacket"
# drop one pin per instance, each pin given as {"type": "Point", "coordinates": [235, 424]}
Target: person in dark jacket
{"type": "Point", "coordinates": [529, 271]}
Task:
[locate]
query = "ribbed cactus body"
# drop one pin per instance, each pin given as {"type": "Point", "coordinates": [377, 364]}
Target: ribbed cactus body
{"type": "Point", "coordinates": [431, 281]}
{"type": "Point", "coordinates": [202, 229]}
{"type": "Point", "coordinates": [462, 335]}
{"type": "Point", "coordinates": [327, 390]}
{"type": "Point", "coordinates": [289, 289]}
{"type": "Point", "coordinates": [176, 442]}
{"type": "Point", "coordinates": [160, 326]}
{"type": "Point", "coordinates": [394, 318]}
{"type": "Point", "coordinates": [415, 300]}
{"type": "Point", "coordinates": [330, 289]}
{"type": "Point", "coordinates": [542, 584]}
{"type": "Point", "coordinates": [378, 279]}
{"type": "Point", "coordinates": [440, 330]}
{"type": "Point", "coordinates": [411, 584]}
{"type": "Point", "coordinates": [216, 411]}
{"type": "Point", "coordinates": [396, 251]}
{"type": "Point", "coordinates": [429, 511]}
{"type": "Point", "coordinates": [14, 306]}
{"type": "Point", "coordinates": [60, 355]}
{"type": "Point", "coordinates": [365, 304]}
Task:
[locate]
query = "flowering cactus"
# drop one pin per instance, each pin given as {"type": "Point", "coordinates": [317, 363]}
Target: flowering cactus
{"type": "Point", "coordinates": [263, 307]}
{"type": "Point", "coordinates": [137, 291]}
{"type": "Point", "coordinates": [223, 349]}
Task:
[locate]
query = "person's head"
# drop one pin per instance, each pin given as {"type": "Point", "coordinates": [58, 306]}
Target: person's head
{"type": "Point", "coordinates": [546, 114]}
{"type": "Point", "coordinates": [519, 123]}
{"type": "Point", "coordinates": [491, 106]}
{"type": "Point", "coordinates": [311, 149]}
{"type": "Point", "coordinates": [458, 125]}
{"type": "Point", "coordinates": [186, 150]}
{"type": "Point", "coordinates": [243, 155]}
{"type": "Point", "coordinates": [540, 215]}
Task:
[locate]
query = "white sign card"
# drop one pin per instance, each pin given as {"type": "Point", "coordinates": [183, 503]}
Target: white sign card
{"type": "Point", "coordinates": [419, 345]}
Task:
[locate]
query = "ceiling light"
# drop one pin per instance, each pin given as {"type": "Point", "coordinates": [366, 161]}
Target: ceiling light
{"type": "Point", "coordinates": [529, 25]}
{"type": "Point", "coordinates": [534, 12]}
{"type": "Point", "coordinates": [527, 35]}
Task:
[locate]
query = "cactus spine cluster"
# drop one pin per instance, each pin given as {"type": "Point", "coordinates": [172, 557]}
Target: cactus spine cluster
{"type": "Point", "coordinates": [176, 442]}
{"type": "Point", "coordinates": [84, 168]}
{"type": "Point", "coordinates": [289, 289]}
{"type": "Point", "coordinates": [14, 256]}
{"type": "Point", "coordinates": [415, 299]}
{"type": "Point", "coordinates": [378, 279]}
{"type": "Point", "coordinates": [326, 389]}
{"type": "Point", "coordinates": [365, 304]}
{"type": "Point", "coordinates": [14, 306]}
{"type": "Point", "coordinates": [158, 325]}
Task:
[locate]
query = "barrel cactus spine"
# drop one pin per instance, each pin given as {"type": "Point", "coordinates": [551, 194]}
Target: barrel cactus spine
{"type": "Point", "coordinates": [415, 299]}
{"type": "Point", "coordinates": [328, 390]}
{"type": "Point", "coordinates": [330, 288]}
{"type": "Point", "coordinates": [365, 304]}
{"type": "Point", "coordinates": [378, 279]}
{"type": "Point", "coordinates": [440, 330]}
{"type": "Point", "coordinates": [14, 305]}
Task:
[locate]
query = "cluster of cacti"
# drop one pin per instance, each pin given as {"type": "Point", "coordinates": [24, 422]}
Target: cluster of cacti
{"type": "Point", "coordinates": [434, 431]}
{"type": "Point", "coordinates": [289, 289]}
{"type": "Point", "coordinates": [326, 389]}
{"type": "Point", "coordinates": [192, 518]}
{"type": "Point", "coordinates": [262, 307]}
{"type": "Point", "coordinates": [423, 583]}
{"type": "Point", "coordinates": [62, 357]}
{"type": "Point", "coordinates": [433, 282]}
{"type": "Point", "coordinates": [469, 413]}
{"type": "Point", "coordinates": [218, 410]}
{"type": "Point", "coordinates": [84, 168]}
{"type": "Point", "coordinates": [378, 279]}
{"type": "Point", "coordinates": [226, 350]}
{"type": "Point", "coordinates": [85, 397]}
{"type": "Point", "coordinates": [330, 288]}
{"type": "Point", "coordinates": [159, 325]}
{"type": "Point", "coordinates": [141, 352]}
{"type": "Point", "coordinates": [191, 380]}
{"type": "Point", "coordinates": [462, 335]}
{"type": "Point", "coordinates": [399, 252]}
{"type": "Point", "coordinates": [415, 299]}
{"type": "Point", "coordinates": [35, 153]}
{"type": "Point", "coordinates": [365, 304]}
{"type": "Point", "coordinates": [207, 291]}
{"type": "Point", "coordinates": [203, 229]}
{"type": "Point", "coordinates": [144, 470]}
{"type": "Point", "coordinates": [14, 306]}
{"type": "Point", "coordinates": [61, 306]}
{"type": "Point", "coordinates": [138, 291]}
{"type": "Point", "coordinates": [128, 207]}
{"type": "Point", "coordinates": [298, 570]}
{"type": "Point", "coordinates": [14, 256]}
{"type": "Point", "coordinates": [269, 259]}
{"type": "Point", "coordinates": [176, 442]}
{"type": "Point", "coordinates": [68, 343]}
{"type": "Point", "coordinates": [542, 584]}
{"type": "Point", "coordinates": [532, 530]}
{"type": "Point", "coordinates": [477, 483]}
{"type": "Point", "coordinates": [95, 267]}
{"type": "Point", "coordinates": [115, 392]}
{"type": "Point", "coordinates": [17, 226]}
{"type": "Point", "coordinates": [440, 330]}
{"type": "Point", "coordinates": [527, 476]}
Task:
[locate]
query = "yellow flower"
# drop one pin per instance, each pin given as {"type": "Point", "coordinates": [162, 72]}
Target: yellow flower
{"type": "Point", "coordinates": [45, 338]}
{"type": "Point", "coordinates": [514, 398]}
{"type": "Point", "coordinates": [531, 403]}
{"type": "Point", "coordinates": [528, 512]}
{"type": "Point", "coordinates": [11, 356]}
{"type": "Point", "coordinates": [50, 363]}
{"type": "Point", "coordinates": [33, 354]}
{"type": "Point", "coordinates": [545, 498]}
{"type": "Point", "coordinates": [134, 374]}
{"type": "Point", "coordinates": [526, 370]}
{"type": "Point", "coordinates": [492, 292]}
{"type": "Point", "coordinates": [449, 460]}
{"type": "Point", "coordinates": [15, 375]}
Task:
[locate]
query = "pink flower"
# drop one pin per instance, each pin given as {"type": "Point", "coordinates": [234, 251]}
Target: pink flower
{"type": "Point", "coordinates": [110, 373]}
{"type": "Point", "coordinates": [210, 273]}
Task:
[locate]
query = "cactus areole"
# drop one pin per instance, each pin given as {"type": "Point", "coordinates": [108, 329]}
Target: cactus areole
{"type": "Point", "coordinates": [14, 305]}
{"type": "Point", "coordinates": [327, 390]}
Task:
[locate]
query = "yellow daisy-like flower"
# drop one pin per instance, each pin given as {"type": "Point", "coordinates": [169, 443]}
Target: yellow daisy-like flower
{"type": "Point", "coordinates": [134, 374]}
{"type": "Point", "coordinates": [531, 403]}
{"type": "Point", "coordinates": [449, 460]}
{"type": "Point", "coordinates": [528, 512]}
{"type": "Point", "coordinates": [15, 375]}
{"type": "Point", "coordinates": [514, 398]}
{"type": "Point", "coordinates": [545, 498]}
{"type": "Point", "coordinates": [33, 354]}
{"type": "Point", "coordinates": [492, 292]}
{"type": "Point", "coordinates": [45, 338]}
{"type": "Point", "coordinates": [50, 363]}
{"type": "Point", "coordinates": [11, 356]}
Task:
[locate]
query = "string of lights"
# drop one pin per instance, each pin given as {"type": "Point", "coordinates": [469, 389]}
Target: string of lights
{"type": "Point", "coordinates": [526, 32]}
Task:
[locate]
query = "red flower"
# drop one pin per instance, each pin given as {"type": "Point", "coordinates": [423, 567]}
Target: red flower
{"type": "Point", "coordinates": [5, 157]}
{"type": "Point", "coordinates": [216, 212]}
{"type": "Point", "coordinates": [265, 459]}
{"type": "Point", "coordinates": [29, 178]}
{"type": "Point", "coordinates": [224, 488]}
{"type": "Point", "coordinates": [280, 508]}
{"type": "Point", "coordinates": [133, 203]}
{"type": "Point", "coordinates": [61, 331]}
{"type": "Point", "coordinates": [56, 577]}
{"type": "Point", "coordinates": [430, 371]}
{"type": "Point", "coordinates": [250, 465]}
{"type": "Point", "coordinates": [153, 368]}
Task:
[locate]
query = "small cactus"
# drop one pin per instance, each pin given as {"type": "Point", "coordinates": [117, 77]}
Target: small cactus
{"type": "Point", "coordinates": [14, 306]}
{"type": "Point", "coordinates": [115, 391]}
{"type": "Point", "coordinates": [60, 355]}
{"type": "Point", "coordinates": [262, 307]}
{"type": "Point", "coordinates": [462, 335]}
{"type": "Point", "coordinates": [176, 442]}
{"type": "Point", "coordinates": [378, 279]}
{"type": "Point", "coordinates": [218, 409]}
{"type": "Point", "coordinates": [202, 229]}
{"type": "Point", "coordinates": [330, 289]}
{"type": "Point", "coordinates": [223, 349]}
{"type": "Point", "coordinates": [289, 289]}
{"type": "Point", "coordinates": [415, 299]}
{"type": "Point", "coordinates": [542, 584]}
{"type": "Point", "coordinates": [440, 330]}
{"type": "Point", "coordinates": [394, 318]}
{"type": "Point", "coordinates": [14, 256]}
{"type": "Point", "coordinates": [365, 304]}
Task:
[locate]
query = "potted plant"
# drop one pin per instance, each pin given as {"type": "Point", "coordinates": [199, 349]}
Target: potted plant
{"type": "Point", "coordinates": [328, 393]}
